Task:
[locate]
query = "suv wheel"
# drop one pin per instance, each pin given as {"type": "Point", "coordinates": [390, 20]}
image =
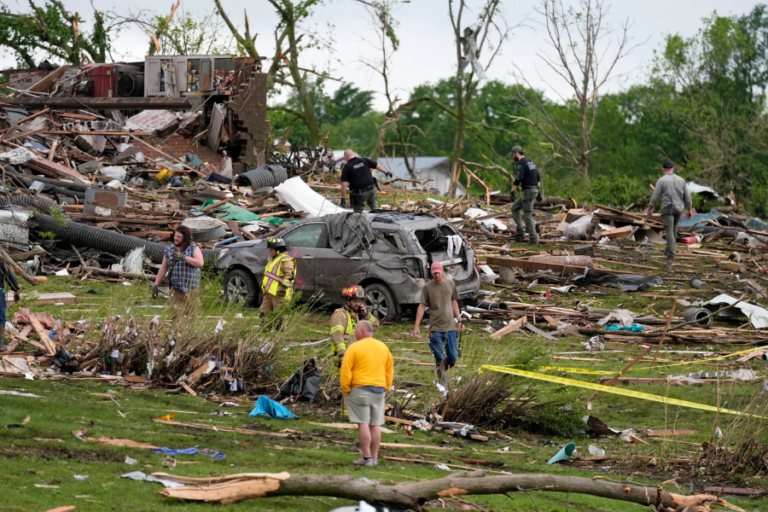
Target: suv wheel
{"type": "Point", "coordinates": [380, 302]}
{"type": "Point", "coordinates": [240, 288]}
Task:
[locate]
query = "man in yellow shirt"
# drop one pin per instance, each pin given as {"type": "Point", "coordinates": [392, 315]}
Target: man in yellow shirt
{"type": "Point", "coordinates": [366, 374]}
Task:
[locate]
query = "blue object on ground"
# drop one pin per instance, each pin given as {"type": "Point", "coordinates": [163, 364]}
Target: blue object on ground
{"type": "Point", "coordinates": [191, 451]}
{"type": "Point", "coordinates": [634, 328]}
{"type": "Point", "coordinates": [265, 406]}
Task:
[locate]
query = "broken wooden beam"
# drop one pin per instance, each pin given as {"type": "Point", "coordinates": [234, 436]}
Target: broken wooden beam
{"type": "Point", "coordinates": [137, 103]}
{"type": "Point", "coordinates": [534, 265]}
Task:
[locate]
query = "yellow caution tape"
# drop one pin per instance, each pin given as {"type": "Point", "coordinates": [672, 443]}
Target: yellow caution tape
{"type": "Point", "coordinates": [604, 372]}
{"type": "Point", "coordinates": [718, 358]}
{"type": "Point", "coordinates": [612, 390]}
{"type": "Point", "coordinates": [575, 370]}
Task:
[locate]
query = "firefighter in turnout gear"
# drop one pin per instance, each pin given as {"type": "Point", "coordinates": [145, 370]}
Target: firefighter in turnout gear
{"type": "Point", "coordinates": [344, 320]}
{"type": "Point", "coordinates": [277, 285]}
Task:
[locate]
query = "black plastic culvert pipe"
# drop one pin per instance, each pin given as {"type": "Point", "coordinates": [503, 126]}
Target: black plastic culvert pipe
{"type": "Point", "coordinates": [105, 240]}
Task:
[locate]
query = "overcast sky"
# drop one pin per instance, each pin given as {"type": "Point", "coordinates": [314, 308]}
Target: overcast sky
{"type": "Point", "coordinates": [427, 52]}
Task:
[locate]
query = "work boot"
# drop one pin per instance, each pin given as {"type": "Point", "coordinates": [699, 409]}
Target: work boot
{"type": "Point", "coordinates": [3, 346]}
{"type": "Point", "coordinates": [532, 242]}
{"type": "Point", "coordinates": [442, 372]}
{"type": "Point", "coordinates": [279, 324]}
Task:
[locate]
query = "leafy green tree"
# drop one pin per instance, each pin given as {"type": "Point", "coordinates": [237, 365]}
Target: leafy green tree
{"type": "Point", "coordinates": [56, 32]}
{"type": "Point", "coordinates": [715, 92]}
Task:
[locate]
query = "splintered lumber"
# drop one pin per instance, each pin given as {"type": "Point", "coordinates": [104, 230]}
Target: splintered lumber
{"type": "Point", "coordinates": [47, 82]}
{"type": "Point", "coordinates": [137, 103]}
{"type": "Point", "coordinates": [534, 265]}
{"type": "Point", "coordinates": [616, 233]}
{"type": "Point", "coordinates": [16, 268]}
{"type": "Point", "coordinates": [54, 170]}
{"type": "Point", "coordinates": [188, 389]}
{"type": "Point", "coordinates": [412, 495]}
{"type": "Point", "coordinates": [517, 324]}
{"type": "Point", "coordinates": [45, 337]}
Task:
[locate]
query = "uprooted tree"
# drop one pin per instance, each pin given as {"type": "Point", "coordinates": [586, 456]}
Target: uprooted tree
{"type": "Point", "coordinates": [413, 495]}
{"type": "Point", "coordinates": [55, 31]}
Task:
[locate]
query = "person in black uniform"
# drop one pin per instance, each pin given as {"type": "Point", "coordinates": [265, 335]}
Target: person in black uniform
{"type": "Point", "coordinates": [357, 175]}
{"type": "Point", "coordinates": [528, 178]}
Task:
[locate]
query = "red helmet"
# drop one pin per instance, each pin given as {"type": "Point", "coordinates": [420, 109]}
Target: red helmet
{"type": "Point", "coordinates": [353, 292]}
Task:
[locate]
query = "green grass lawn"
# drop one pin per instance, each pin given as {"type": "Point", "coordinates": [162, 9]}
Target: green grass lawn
{"type": "Point", "coordinates": [45, 452]}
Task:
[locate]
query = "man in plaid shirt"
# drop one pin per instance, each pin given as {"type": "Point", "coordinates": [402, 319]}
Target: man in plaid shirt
{"type": "Point", "coordinates": [182, 262]}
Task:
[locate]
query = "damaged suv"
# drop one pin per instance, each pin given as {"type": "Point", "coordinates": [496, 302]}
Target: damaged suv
{"type": "Point", "coordinates": [388, 253]}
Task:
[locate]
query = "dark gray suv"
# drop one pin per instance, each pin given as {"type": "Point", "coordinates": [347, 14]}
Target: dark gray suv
{"type": "Point", "coordinates": [388, 253]}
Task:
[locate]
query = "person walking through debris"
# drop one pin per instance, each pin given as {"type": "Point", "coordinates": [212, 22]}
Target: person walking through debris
{"type": "Point", "coordinates": [357, 175]}
{"type": "Point", "coordinates": [366, 375]}
{"type": "Point", "coordinates": [442, 298]}
{"type": "Point", "coordinates": [181, 265]}
{"type": "Point", "coordinates": [675, 196]}
{"type": "Point", "coordinates": [528, 179]}
{"type": "Point", "coordinates": [6, 275]}
{"type": "Point", "coordinates": [277, 284]}
{"type": "Point", "coordinates": [344, 320]}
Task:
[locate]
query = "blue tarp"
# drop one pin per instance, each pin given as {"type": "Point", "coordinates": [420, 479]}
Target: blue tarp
{"type": "Point", "coordinates": [190, 451]}
{"type": "Point", "coordinates": [265, 406]}
{"type": "Point", "coordinates": [685, 223]}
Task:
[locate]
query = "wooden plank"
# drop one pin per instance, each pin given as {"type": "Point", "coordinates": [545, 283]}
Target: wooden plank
{"type": "Point", "coordinates": [533, 265]}
{"type": "Point", "coordinates": [46, 298]}
{"type": "Point", "coordinates": [616, 233]}
{"type": "Point", "coordinates": [514, 326]}
{"type": "Point", "coordinates": [667, 432]}
{"type": "Point", "coordinates": [541, 333]}
{"type": "Point", "coordinates": [44, 335]}
{"type": "Point", "coordinates": [188, 389]}
{"type": "Point", "coordinates": [48, 81]}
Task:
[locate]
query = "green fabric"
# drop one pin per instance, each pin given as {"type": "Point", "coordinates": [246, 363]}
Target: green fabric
{"type": "Point", "coordinates": [670, 218]}
{"type": "Point", "coordinates": [274, 220]}
{"type": "Point", "coordinates": [359, 201]}
{"type": "Point", "coordinates": [231, 212]}
{"type": "Point", "coordinates": [525, 203]}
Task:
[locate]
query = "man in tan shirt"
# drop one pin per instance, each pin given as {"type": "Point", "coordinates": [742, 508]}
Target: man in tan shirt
{"type": "Point", "coordinates": [442, 298]}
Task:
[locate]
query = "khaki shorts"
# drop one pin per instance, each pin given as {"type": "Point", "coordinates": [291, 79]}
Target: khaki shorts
{"type": "Point", "coordinates": [365, 407]}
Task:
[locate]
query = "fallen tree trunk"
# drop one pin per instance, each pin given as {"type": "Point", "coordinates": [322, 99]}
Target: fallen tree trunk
{"type": "Point", "coordinates": [412, 495]}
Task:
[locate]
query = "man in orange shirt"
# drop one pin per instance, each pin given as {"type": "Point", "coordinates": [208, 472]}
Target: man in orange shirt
{"type": "Point", "coordinates": [366, 374]}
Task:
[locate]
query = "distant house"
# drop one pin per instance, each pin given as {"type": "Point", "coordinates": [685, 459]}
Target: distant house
{"type": "Point", "coordinates": [434, 168]}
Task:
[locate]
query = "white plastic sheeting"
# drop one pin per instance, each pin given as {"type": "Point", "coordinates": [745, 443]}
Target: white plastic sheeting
{"type": "Point", "coordinates": [758, 316]}
{"type": "Point", "coordinates": [473, 213]}
{"type": "Point", "coordinates": [302, 198]}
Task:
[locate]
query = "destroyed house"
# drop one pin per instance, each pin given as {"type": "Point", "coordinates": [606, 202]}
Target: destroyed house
{"type": "Point", "coordinates": [436, 169]}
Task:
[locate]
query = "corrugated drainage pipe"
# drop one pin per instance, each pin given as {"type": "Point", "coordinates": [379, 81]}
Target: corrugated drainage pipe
{"type": "Point", "coordinates": [41, 203]}
{"type": "Point", "coordinates": [269, 176]}
{"type": "Point", "coordinates": [105, 240]}
{"type": "Point", "coordinates": [698, 314]}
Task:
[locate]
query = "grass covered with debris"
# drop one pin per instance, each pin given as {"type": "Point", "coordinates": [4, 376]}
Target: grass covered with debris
{"type": "Point", "coordinates": [41, 458]}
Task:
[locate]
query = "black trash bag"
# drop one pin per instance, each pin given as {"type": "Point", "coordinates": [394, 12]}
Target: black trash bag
{"type": "Point", "coordinates": [305, 383]}
{"type": "Point", "coordinates": [624, 282]}
{"type": "Point", "coordinates": [65, 361]}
